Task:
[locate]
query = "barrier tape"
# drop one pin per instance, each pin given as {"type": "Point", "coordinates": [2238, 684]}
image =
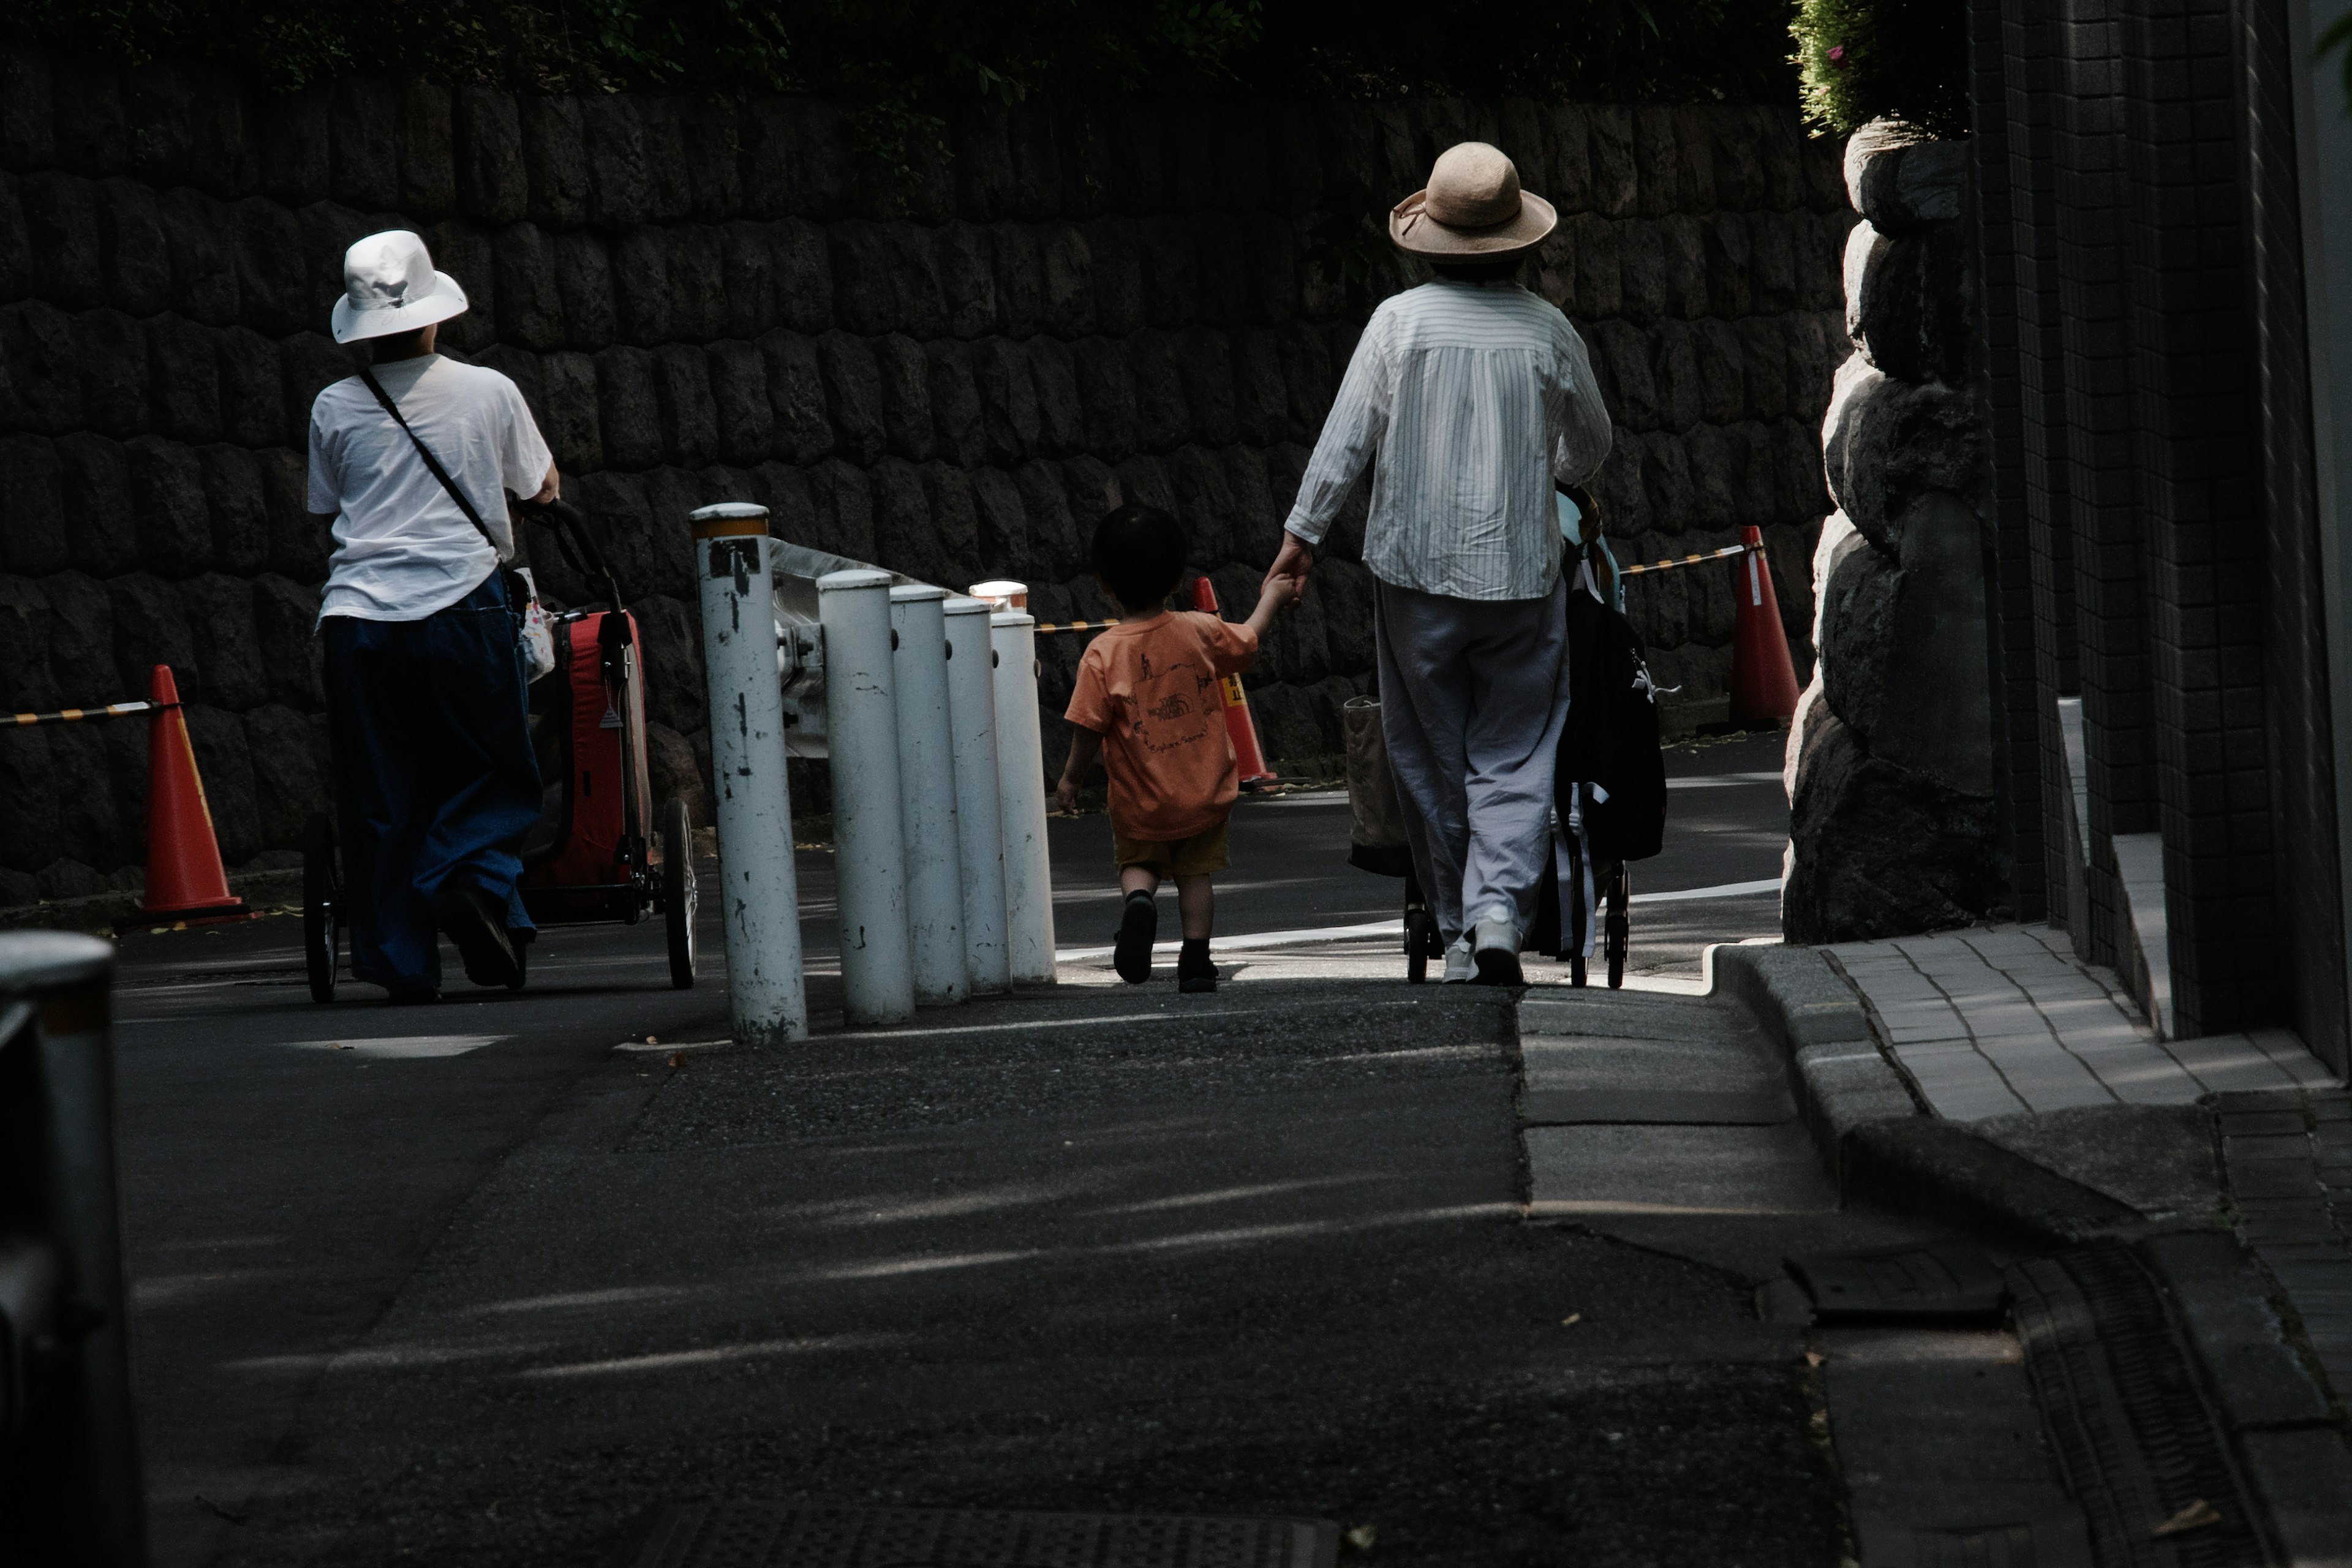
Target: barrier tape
{"type": "Point", "coordinates": [1728, 550]}
{"type": "Point", "coordinates": [72, 715]}
{"type": "Point", "coordinates": [1725, 553]}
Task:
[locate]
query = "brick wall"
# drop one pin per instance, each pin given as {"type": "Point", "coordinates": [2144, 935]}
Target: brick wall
{"type": "Point", "coordinates": [713, 298]}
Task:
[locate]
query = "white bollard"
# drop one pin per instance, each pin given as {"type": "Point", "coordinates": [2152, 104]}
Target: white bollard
{"type": "Point", "coordinates": [869, 857]}
{"type": "Point", "coordinates": [980, 824]}
{"type": "Point", "coordinates": [759, 895]}
{"type": "Point", "coordinates": [927, 794]}
{"type": "Point", "coordinates": [1021, 779]}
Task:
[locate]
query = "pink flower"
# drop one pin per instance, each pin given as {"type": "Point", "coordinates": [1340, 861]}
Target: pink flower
{"type": "Point", "coordinates": [1837, 53]}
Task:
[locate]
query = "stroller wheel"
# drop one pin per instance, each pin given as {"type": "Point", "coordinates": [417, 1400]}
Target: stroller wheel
{"type": "Point", "coordinates": [321, 915]}
{"type": "Point", "coordinates": [1616, 929]}
{"type": "Point", "coordinates": [1420, 943]}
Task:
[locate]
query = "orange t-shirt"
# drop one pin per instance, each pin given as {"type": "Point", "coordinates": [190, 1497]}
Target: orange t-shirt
{"type": "Point", "coordinates": [1150, 692]}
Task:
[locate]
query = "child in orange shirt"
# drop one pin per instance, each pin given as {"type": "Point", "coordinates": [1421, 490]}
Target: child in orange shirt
{"type": "Point", "coordinates": [1147, 703]}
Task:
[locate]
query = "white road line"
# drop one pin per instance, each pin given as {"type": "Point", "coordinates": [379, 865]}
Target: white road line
{"type": "Point", "coordinates": [402, 1048]}
{"type": "Point", "coordinates": [1396, 927]}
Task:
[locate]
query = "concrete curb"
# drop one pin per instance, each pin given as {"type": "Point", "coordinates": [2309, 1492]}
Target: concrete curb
{"type": "Point", "coordinates": [1877, 1140]}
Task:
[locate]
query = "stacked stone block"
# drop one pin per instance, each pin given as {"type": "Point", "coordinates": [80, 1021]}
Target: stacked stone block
{"type": "Point", "coordinates": [718, 297]}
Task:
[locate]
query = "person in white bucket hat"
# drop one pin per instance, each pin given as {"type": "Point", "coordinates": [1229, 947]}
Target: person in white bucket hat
{"type": "Point", "coordinates": [412, 462]}
{"type": "Point", "coordinates": [1471, 399]}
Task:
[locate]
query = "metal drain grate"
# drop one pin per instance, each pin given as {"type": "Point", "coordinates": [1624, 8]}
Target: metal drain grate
{"type": "Point", "coordinates": [780, 1535]}
{"type": "Point", "coordinates": [2132, 1434]}
{"type": "Point", "coordinates": [1950, 1280]}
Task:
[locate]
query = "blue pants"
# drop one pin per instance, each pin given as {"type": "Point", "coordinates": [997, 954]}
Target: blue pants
{"type": "Point", "coordinates": [434, 776]}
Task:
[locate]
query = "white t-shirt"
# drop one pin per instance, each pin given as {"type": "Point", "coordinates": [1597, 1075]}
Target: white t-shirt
{"type": "Point", "coordinates": [403, 550]}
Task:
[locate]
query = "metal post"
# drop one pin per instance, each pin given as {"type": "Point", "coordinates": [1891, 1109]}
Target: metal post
{"type": "Point", "coordinates": [869, 858]}
{"type": "Point", "coordinates": [1021, 779]}
{"type": "Point", "coordinates": [980, 823]}
{"type": "Point", "coordinates": [927, 794]}
{"type": "Point", "coordinates": [69, 1477]}
{"type": "Point", "coordinates": [759, 894]}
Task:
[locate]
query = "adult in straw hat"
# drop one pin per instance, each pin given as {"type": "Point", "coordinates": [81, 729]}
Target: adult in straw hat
{"type": "Point", "coordinates": [1470, 399]}
{"type": "Point", "coordinates": [412, 462]}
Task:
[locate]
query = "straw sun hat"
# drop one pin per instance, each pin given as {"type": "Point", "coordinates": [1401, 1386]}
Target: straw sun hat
{"type": "Point", "coordinates": [1472, 210]}
{"type": "Point", "coordinates": [390, 286]}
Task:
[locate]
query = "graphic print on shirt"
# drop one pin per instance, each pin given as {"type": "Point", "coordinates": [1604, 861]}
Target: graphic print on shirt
{"type": "Point", "coordinates": [1171, 697]}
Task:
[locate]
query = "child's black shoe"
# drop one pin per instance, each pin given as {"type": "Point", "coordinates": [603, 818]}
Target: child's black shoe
{"type": "Point", "coordinates": [1138, 929]}
{"type": "Point", "coordinates": [1194, 970]}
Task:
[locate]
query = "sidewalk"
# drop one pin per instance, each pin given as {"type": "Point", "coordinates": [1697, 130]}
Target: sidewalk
{"type": "Point", "coordinates": [2197, 1187]}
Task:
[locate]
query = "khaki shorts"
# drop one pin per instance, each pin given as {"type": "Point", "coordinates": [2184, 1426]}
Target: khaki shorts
{"type": "Point", "coordinates": [1195, 857]}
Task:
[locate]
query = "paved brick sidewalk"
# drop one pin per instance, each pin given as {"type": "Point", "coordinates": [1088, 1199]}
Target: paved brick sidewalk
{"type": "Point", "coordinates": [1992, 1023]}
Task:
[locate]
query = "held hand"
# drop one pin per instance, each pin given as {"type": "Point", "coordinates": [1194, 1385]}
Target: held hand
{"type": "Point", "coordinates": [1281, 593]}
{"type": "Point", "coordinates": [1294, 560]}
{"type": "Point", "coordinates": [1065, 795]}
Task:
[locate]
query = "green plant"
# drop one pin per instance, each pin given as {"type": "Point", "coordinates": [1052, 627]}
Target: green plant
{"type": "Point", "coordinates": [1860, 60]}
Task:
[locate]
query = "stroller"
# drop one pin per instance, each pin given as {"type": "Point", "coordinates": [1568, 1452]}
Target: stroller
{"type": "Point", "coordinates": [596, 852]}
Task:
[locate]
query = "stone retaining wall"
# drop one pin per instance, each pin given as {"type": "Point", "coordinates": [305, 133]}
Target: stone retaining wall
{"type": "Point", "coordinates": [714, 298]}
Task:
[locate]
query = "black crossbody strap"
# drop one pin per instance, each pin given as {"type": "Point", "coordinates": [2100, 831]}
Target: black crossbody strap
{"type": "Point", "coordinates": [431, 461]}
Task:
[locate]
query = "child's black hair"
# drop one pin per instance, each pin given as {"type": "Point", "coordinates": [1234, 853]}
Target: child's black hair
{"type": "Point", "coordinates": [1139, 552]}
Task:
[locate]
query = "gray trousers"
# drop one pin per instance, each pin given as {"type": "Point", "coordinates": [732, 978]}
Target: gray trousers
{"type": "Point", "coordinates": [1474, 693]}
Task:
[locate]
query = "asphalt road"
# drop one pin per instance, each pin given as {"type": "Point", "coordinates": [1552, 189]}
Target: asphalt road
{"type": "Point", "coordinates": [468, 1284]}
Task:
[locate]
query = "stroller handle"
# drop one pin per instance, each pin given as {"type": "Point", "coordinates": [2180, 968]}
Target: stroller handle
{"type": "Point", "coordinates": [578, 545]}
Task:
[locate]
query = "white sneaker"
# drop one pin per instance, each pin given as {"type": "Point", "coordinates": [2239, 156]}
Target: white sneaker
{"type": "Point", "coordinates": [1494, 929]}
{"type": "Point", "coordinates": [1459, 965]}
{"type": "Point", "coordinates": [1495, 943]}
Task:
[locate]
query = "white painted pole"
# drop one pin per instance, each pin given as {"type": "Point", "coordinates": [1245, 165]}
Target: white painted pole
{"type": "Point", "coordinates": [1021, 779]}
{"type": "Point", "coordinates": [759, 894]}
{"type": "Point", "coordinates": [869, 856]}
{"type": "Point", "coordinates": [927, 794]}
{"type": "Point", "coordinates": [980, 824]}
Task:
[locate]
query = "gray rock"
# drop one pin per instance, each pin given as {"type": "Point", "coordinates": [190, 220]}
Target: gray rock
{"type": "Point", "coordinates": [307, 364]}
{"type": "Point", "coordinates": [1050, 546]}
{"type": "Point", "coordinates": [1257, 519]}
{"type": "Point", "coordinates": [1880, 138]}
{"type": "Point", "coordinates": [252, 397]}
{"type": "Point", "coordinates": [853, 390]}
{"type": "Point", "coordinates": [492, 179]}
{"type": "Point", "coordinates": [1106, 399]}
{"type": "Point", "coordinates": [1911, 301]}
{"type": "Point", "coordinates": [803, 277]}
{"type": "Point", "coordinates": [959, 429]}
{"type": "Point", "coordinates": [1666, 477]}
{"type": "Point", "coordinates": [136, 249]}
{"type": "Point", "coordinates": [27, 682]}
{"type": "Point", "coordinates": [739, 392]}
{"type": "Point", "coordinates": [1721, 496]}
{"type": "Point", "coordinates": [690, 419]}
{"type": "Point", "coordinates": [1121, 305]}
{"type": "Point", "coordinates": [1682, 242]}
{"type": "Point", "coordinates": [1936, 718]}
{"type": "Point", "coordinates": [568, 412]}
{"type": "Point", "coordinates": [796, 396]}
{"type": "Point", "coordinates": [984, 161]}
{"type": "Point", "coordinates": [675, 771]}
{"type": "Point", "coordinates": [645, 545]}
{"type": "Point", "coordinates": [1642, 271]}
{"type": "Point", "coordinates": [1675, 375]}
{"type": "Point", "coordinates": [1624, 498]}
{"type": "Point", "coordinates": [1763, 359]}
{"type": "Point", "coordinates": [284, 615]}
{"type": "Point", "coordinates": [1169, 262]}
{"type": "Point", "coordinates": [1261, 398]}
{"type": "Point", "coordinates": [184, 379]}
{"type": "Point", "coordinates": [96, 476]}
{"type": "Point", "coordinates": [292, 776]}
{"type": "Point", "coordinates": [93, 135]}
{"type": "Point", "coordinates": [274, 286]}
{"type": "Point", "coordinates": [965, 264]}
{"type": "Point", "coordinates": [698, 306]}
{"type": "Point", "coordinates": [1729, 252]}
{"type": "Point", "coordinates": [1020, 278]}
{"type": "Point", "coordinates": [1205, 367]}
{"type": "Point", "coordinates": [111, 350]}
{"type": "Point", "coordinates": [1722, 390]}
{"type": "Point", "coordinates": [1522, 139]}
{"type": "Point", "coordinates": [34, 539]}
{"type": "Point", "coordinates": [1861, 598]}
{"type": "Point", "coordinates": [584, 291]}
{"type": "Point", "coordinates": [299, 545]}
{"type": "Point", "coordinates": [62, 230]}
{"type": "Point", "coordinates": [28, 801]}
{"type": "Point", "coordinates": [1222, 275]}
{"type": "Point", "coordinates": [1309, 377]}
{"type": "Point", "coordinates": [620, 188]}
{"type": "Point", "coordinates": [865, 292]}
{"type": "Point", "coordinates": [1061, 423]}
{"type": "Point", "coordinates": [219, 613]}
{"type": "Point", "coordinates": [69, 878]}
{"type": "Point", "coordinates": [1204, 503]}
{"type": "Point", "coordinates": [1878, 851]}
{"type": "Point", "coordinates": [1887, 442]}
{"type": "Point", "coordinates": [28, 124]}
{"type": "Point", "coordinates": [1142, 481]}
{"type": "Point", "coordinates": [627, 408]}
{"type": "Point", "coordinates": [905, 380]}
{"type": "Point", "coordinates": [844, 504]}
{"type": "Point", "coordinates": [428, 185]}
{"type": "Point", "coordinates": [529, 301]}
{"type": "Point", "coordinates": [902, 520]}
{"type": "Point", "coordinates": [1067, 305]}
{"type": "Point", "coordinates": [239, 510]}
{"type": "Point", "coordinates": [150, 628]}
{"type": "Point", "coordinates": [1163, 418]}
{"type": "Point", "coordinates": [661, 133]}
{"type": "Point", "coordinates": [641, 291]}
{"type": "Point", "coordinates": [1001, 520]}
{"type": "Point", "coordinates": [224, 759]}
{"type": "Point", "coordinates": [364, 131]}
{"type": "Point", "coordinates": [16, 245]}
{"type": "Point", "coordinates": [1621, 363]}
{"type": "Point", "coordinates": [555, 160]}
{"type": "Point", "coordinates": [1616, 185]}
{"type": "Point", "coordinates": [1007, 390]}
{"type": "Point", "coordinates": [42, 391]}
{"type": "Point", "coordinates": [1738, 164]}
{"type": "Point", "coordinates": [1567, 157]}
{"type": "Point", "coordinates": [81, 643]}
{"type": "Point", "coordinates": [748, 279]}
{"type": "Point", "coordinates": [1815, 254]}
{"type": "Point", "coordinates": [954, 525]}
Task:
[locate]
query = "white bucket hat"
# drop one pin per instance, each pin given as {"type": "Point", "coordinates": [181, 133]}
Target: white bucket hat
{"type": "Point", "coordinates": [389, 285]}
{"type": "Point", "coordinates": [1472, 210]}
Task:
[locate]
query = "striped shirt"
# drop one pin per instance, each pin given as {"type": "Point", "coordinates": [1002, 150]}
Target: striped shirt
{"type": "Point", "coordinates": [1474, 397]}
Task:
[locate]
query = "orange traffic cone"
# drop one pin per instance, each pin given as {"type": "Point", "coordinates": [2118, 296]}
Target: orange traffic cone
{"type": "Point", "coordinates": [1763, 677]}
{"type": "Point", "coordinates": [1247, 754]}
{"type": "Point", "coordinates": [185, 879]}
